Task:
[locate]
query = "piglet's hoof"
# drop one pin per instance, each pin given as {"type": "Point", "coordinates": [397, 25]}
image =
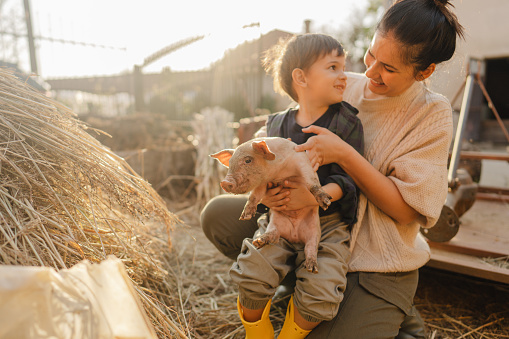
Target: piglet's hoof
{"type": "Point", "coordinates": [266, 239]}
{"type": "Point", "coordinates": [324, 200]}
{"type": "Point", "coordinates": [246, 215]}
{"type": "Point", "coordinates": [311, 265]}
{"type": "Point", "coordinates": [321, 197]}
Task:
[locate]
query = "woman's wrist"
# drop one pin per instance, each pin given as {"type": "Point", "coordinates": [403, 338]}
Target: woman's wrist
{"type": "Point", "coordinates": [345, 155]}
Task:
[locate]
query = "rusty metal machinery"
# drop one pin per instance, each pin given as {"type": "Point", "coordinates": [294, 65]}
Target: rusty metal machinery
{"type": "Point", "coordinates": [459, 200]}
{"type": "Point", "coordinates": [462, 189]}
{"type": "Point", "coordinates": [464, 174]}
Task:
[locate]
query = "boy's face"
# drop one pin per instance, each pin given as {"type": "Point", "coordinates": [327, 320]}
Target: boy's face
{"type": "Point", "coordinates": [326, 79]}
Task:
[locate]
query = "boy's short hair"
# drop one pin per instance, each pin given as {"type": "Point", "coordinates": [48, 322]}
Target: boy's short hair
{"type": "Point", "coordinates": [299, 51]}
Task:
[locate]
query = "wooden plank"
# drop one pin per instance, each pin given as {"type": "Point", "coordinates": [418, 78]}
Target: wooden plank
{"type": "Point", "coordinates": [466, 248]}
{"type": "Point", "coordinates": [492, 193]}
{"type": "Point", "coordinates": [491, 197]}
{"type": "Point", "coordinates": [478, 237]}
{"type": "Point", "coordinates": [488, 220]}
{"type": "Point", "coordinates": [484, 155]}
{"type": "Point", "coordinates": [493, 190]}
{"type": "Point", "coordinates": [468, 265]}
{"type": "Point", "coordinates": [483, 233]}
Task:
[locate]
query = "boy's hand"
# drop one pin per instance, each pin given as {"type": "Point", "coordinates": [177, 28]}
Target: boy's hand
{"type": "Point", "coordinates": [293, 195]}
{"type": "Point", "coordinates": [276, 197]}
{"type": "Point", "coordinates": [321, 148]}
{"type": "Point", "coordinates": [299, 196]}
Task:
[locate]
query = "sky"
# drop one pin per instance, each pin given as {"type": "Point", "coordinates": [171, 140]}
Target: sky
{"type": "Point", "coordinates": [133, 30]}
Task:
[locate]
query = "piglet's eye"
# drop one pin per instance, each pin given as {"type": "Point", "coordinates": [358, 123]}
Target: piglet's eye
{"type": "Point", "coordinates": [247, 161]}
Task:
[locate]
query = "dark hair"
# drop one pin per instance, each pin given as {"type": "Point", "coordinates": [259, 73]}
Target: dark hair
{"type": "Point", "coordinates": [427, 30]}
{"type": "Point", "coordinates": [299, 51]}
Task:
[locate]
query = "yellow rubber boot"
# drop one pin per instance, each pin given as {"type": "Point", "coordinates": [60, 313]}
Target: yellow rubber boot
{"type": "Point", "coordinates": [290, 329]}
{"type": "Point", "coordinates": [261, 329]}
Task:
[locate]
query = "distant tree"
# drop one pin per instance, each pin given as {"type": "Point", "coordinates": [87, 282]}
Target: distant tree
{"type": "Point", "coordinates": [199, 102]}
{"type": "Point", "coordinates": [238, 105]}
{"type": "Point", "coordinates": [355, 34]}
{"type": "Point", "coordinates": [165, 104]}
{"type": "Point", "coordinates": [268, 102]}
{"type": "Point", "coordinates": [179, 105]}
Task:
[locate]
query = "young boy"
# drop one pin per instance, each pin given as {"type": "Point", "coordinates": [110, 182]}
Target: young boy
{"type": "Point", "coordinates": [310, 69]}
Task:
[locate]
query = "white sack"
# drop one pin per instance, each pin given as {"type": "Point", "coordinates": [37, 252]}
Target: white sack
{"type": "Point", "coordinates": [87, 301]}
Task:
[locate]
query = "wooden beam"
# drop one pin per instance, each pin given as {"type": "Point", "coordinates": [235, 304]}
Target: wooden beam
{"type": "Point", "coordinates": [493, 190]}
{"type": "Point", "coordinates": [492, 193]}
{"type": "Point", "coordinates": [464, 264]}
{"type": "Point", "coordinates": [484, 155]}
{"type": "Point", "coordinates": [483, 233]}
{"type": "Point", "coordinates": [492, 197]}
{"type": "Point", "coordinates": [473, 241]}
{"type": "Point", "coordinates": [472, 249]}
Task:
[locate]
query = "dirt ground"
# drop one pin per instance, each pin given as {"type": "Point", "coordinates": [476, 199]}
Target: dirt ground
{"type": "Point", "coordinates": [452, 305]}
{"type": "Point", "coordinates": [458, 306]}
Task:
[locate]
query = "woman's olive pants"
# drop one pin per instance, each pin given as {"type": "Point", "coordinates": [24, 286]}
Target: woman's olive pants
{"type": "Point", "coordinates": [375, 305]}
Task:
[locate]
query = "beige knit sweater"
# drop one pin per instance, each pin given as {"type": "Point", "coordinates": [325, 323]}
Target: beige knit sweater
{"type": "Point", "coordinates": [407, 138]}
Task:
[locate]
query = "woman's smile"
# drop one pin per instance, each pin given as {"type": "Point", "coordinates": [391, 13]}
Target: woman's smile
{"type": "Point", "coordinates": [377, 83]}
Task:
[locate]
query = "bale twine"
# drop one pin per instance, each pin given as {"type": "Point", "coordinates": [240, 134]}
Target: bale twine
{"type": "Point", "coordinates": [64, 197]}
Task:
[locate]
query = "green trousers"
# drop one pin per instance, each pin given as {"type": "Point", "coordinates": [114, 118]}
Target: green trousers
{"type": "Point", "coordinates": [375, 305]}
{"type": "Point", "coordinates": [259, 271]}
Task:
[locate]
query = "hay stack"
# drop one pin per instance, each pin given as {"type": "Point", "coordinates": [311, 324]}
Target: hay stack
{"type": "Point", "coordinates": [64, 198]}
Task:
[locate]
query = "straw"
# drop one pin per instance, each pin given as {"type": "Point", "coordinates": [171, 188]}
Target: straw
{"type": "Point", "coordinates": [64, 197]}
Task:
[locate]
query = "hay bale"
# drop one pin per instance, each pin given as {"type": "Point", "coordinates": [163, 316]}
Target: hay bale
{"type": "Point", "coordinates": [64, 197]}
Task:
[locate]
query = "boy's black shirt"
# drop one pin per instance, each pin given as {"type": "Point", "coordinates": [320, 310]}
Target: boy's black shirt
{"type": "Point", "coordinates": [341, 119]}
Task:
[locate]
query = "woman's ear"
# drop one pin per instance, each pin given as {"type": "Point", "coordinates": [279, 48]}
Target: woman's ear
{"type": "Point", "coordinates": [299, 77]}
{"type": "Point", "coordinates": [423, 75]}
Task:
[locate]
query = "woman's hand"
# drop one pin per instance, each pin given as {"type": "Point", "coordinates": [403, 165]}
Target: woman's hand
{"type": "Point", "coordinates": [325, 147]}
{"type": "Point", "coordinates": [322, 148]}
{"type": "Point", "coordinates": [292, 195]}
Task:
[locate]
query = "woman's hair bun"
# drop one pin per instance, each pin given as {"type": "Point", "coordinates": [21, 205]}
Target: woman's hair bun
{"type": "Point", "coordinates": [439, 3]}
{"type": "Point", "coordinates": [427, 30]}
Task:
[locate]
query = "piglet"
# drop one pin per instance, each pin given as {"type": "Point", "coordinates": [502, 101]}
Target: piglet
{"type": "Point", "coordinates": [254, 164]}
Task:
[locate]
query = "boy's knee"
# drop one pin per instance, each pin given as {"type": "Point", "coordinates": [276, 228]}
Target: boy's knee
{"type": "Point", "coordinates": [317, 310]}
{"type": "Point", "coordinates": [321, 299]}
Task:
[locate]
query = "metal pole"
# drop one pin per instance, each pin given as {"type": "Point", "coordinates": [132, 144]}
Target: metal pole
{"type": "Point", "coordinates": [30, 34]}
{"type": "Point", "coordinates": [462, 122]}
{"type": "Point", "coordinates": [139, 95]}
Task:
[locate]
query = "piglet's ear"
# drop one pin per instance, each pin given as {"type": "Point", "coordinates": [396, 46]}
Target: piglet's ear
{"type": "Point", "coordinates": [261, 148]}
{"type": "Point", "coordinates": [224, 156]}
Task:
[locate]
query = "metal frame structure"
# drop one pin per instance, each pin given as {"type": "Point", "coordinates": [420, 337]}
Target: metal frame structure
{"type": "Point", "coordinates": [466, 250]}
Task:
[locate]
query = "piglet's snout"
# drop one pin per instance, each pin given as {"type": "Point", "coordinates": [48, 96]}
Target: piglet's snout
{"type": "Point", "coordinates": [227, 185]}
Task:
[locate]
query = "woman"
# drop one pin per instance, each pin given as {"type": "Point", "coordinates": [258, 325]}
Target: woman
{"type": "Point", "coordinates": [402, 176]}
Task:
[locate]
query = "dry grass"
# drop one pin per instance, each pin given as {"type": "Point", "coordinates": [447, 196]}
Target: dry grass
{"type": "Point", "coordinates": [452, 306]}
{"type": "Point", "coordinates": [501, 262]}
{"type": "Point", "coordinates": [209, 296]}
{"type": "Point", "coordinates": [64, 198]}
{"type": "Point", "coordinates": [456, 306]}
